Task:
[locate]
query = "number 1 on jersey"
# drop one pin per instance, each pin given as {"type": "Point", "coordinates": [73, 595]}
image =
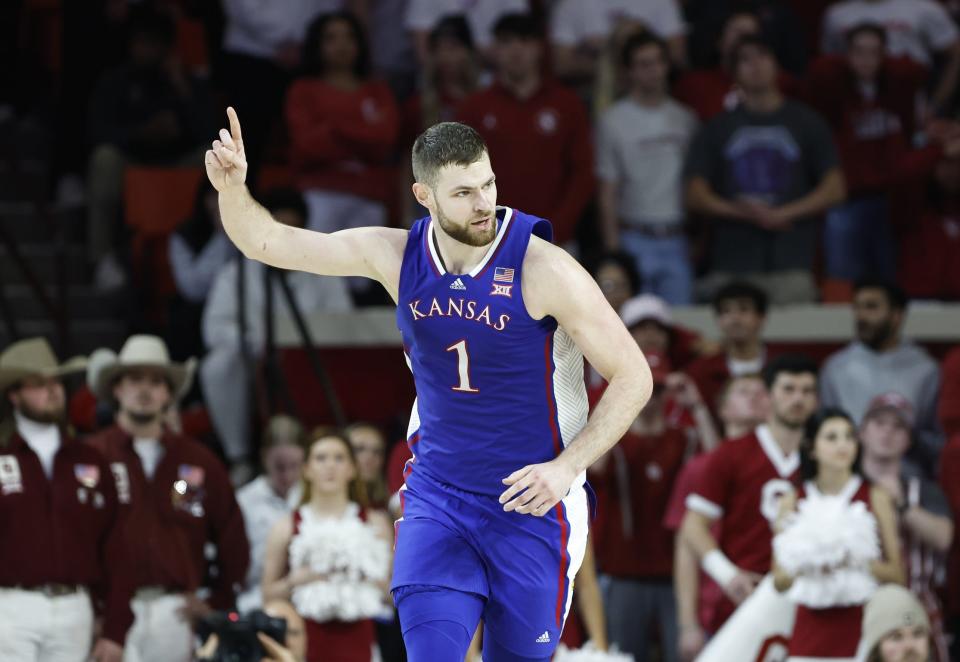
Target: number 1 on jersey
{"type": "Point", "coordinates": [463, 367]}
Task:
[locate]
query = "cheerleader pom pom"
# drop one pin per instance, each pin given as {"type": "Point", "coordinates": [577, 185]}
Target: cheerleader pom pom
{"type": "Point", "coordinates": [827, 546]}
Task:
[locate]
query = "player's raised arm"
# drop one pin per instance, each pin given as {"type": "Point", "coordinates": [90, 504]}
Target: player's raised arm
{"type": "Point", "coordinates": [555, 284]}
{"type": "Point", "coordinates": [372, 252]}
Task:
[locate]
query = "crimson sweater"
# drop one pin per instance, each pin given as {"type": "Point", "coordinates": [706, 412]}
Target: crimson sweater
{"type": "Point", "coordinates": [873, 133]}
{"type": "Point", "coordinates": [64, 529]}
{"type": "Point", "coordinates": [341, 140]}
{"type": "Point", "coordinates": [167, 521]}
{"type": "Point", "coordinates": [541, 151]}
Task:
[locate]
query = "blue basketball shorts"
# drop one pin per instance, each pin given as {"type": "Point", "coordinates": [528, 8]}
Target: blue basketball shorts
{"type": "Point", "coordinates": [520, 565]}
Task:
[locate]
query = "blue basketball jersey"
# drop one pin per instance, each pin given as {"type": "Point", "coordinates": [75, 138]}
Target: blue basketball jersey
{"type": "Point", "coordinates": [496, 389]}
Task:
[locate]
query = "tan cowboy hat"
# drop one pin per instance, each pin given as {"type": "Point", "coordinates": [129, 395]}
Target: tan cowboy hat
{"type": "Point", "coordinates": [140, 351]}
{"type": "Point", "coordinates": [34, 358]}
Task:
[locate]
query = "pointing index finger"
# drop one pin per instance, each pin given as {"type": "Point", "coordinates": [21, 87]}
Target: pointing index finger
{"type": "Point", "coordinates": [234, 125]}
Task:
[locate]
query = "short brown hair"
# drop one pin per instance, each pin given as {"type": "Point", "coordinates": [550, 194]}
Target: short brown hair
{"type": "Point", "coordinates": [444, 144]}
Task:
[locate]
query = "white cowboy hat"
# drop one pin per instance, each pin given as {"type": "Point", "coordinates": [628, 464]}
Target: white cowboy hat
{"type": "Point", "coordinates": [139, 351]}
{"type": "Point", "coordinates": [34, 358]}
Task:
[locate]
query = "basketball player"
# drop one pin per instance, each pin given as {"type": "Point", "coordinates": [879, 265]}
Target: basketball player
{"type": "Point", "coordinates": [495, 322]}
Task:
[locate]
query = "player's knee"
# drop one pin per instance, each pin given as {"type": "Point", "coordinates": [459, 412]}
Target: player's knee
{"type": "Point", "coordinates": [495, 652]}
{"type": "Point", "coordinates": [440, 641]}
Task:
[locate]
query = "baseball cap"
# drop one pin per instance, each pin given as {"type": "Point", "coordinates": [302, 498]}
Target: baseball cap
{"type": "Point", "coordinates": [894, 402]}
{"type": "Point", "coordinates": [645, 307]}
{"type": "Point", "coordinates": [892, 607]}
{"type": "Point", "coordinates": [659, 366]}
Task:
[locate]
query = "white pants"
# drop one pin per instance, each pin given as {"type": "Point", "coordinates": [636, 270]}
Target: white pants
{"type": "Point", "coordinates": [36, 628]}
{"type": "Point", "coordinates": [758, 631]}
{"type": "Point", "coordinates": [158, 634]}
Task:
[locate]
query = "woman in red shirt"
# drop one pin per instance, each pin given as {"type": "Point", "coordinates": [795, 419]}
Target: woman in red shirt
{"type": "Point", "coordinates": [343, 128]}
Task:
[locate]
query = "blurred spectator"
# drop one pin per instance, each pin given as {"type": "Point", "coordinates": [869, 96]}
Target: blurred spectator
{"type": "Point", "coordinates": [148, 111]}
{"type": "Point", "coordinates": [762, 173]}
{"type": "Point", "coordinates": [918, 29]}
{"type": "Point", "coordinates": [777, 19]}
{"type": "Point", "coordinates": [870, 101]}
{"type": "Point", "coordinates": [929, 246]}
{"type": "Point", "coordinates": [450, 74]}
{"type": "Point", "coordinates": [711, 90]}
{"type": "Point", "coordinates": [830, 577]}
{"type": "Point", "coordinates": [741, 487]}
{"type": "Point", "coordinates": [895, 628]}
{"type": "Point", "coordinates": [743, 404]}
{"type": "Point", "coordinates": [369, 448]}
{"type": "Point", "coordinates": [642, 142]}
{"type": "Point", "coordinates": [424, 15]}
{"type": "Point", "coordinates": [579, 30]}
{"type": "Point", "coordinates": [306, 554]}
{"type": "Point", "coordinates": [271, 496]}
{"type": "Point", "coordinates": [650, 321]}
{"type": "Point", "coordinates": [62, 548]}
{"type": "Point", "coordinates": [175, 499]}
{"type": "Point", "coordinates": [740, 311]}
{"type": "Point", "coordinates": [261, 52]}
{"type": "Point", "coordinates": [343, 127]}
{"type": "Point", "coordinates": [948, 411]}
{"type": "Point", "coordinates": [392, 53]}
{"type": "Point", "coordinates": [881, 360]}
{"type": "Point", "coordinates": [537, 131]}
{"type": "Point", "coordinates": [636, 476]}
{"type": "Point", "coordinates": [926, 527]}
{"type": "Point", "coordinates": [949, 470]}
{"type": "Point", "coordinates": [617, 276]}
{"type": "Point", "coordinates": [198, 249]}
{"type": "Point", "coordinates": [225, 377]}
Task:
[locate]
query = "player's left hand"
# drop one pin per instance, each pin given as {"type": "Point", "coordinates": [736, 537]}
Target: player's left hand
{"type": "Point", "coordinates": [537, 488]}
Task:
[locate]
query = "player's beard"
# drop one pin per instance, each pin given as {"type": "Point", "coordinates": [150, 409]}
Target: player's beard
{"type": "Point", "coordinates": [466, 234]}
{"type": "Point", "coordinates": [55, 416]}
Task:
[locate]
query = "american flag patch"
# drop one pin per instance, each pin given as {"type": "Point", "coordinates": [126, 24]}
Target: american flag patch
{"type": "Point", "coordinates": [87, 475]}
{"type": "Point", "coordinates": [502, 275]}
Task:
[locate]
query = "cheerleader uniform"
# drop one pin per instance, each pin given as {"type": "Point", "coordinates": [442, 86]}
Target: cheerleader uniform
{"type": "Point", "coordinates": [333, 640]}
{"type": "Point", "coordinates": [830, 633]}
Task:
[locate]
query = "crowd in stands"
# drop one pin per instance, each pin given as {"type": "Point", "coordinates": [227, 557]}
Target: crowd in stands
{"type": "Point", "coordinates": [745, 154]}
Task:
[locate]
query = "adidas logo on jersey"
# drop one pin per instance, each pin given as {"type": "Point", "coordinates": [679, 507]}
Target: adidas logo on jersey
{"type": "Point", "coordinates": [457, 285]}
{"type": "Point", "coordinates": [544, 638]}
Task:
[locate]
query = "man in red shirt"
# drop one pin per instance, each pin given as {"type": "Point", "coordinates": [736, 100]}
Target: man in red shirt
{"type": "Point", "coordinates": [537, 131]}
{"type": "Point", "coordinates": [742, 487]}
{"type": "Point", "coordinates": [634, 550]}
{"type": "Point", "coordinates": [740, 311]}
{"type": "Point", "coordinates": [743, 404]}
{"type": "Point", "coordinates": [60, 549]}
{"type": "Point", "coordinates": [175, 498]}
{"type": "Point", "coordinates": [870, 101]}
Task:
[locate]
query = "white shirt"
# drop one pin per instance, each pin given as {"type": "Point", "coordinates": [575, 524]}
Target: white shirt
{"type": "Point", "coordinates": [481, 15]}
{"type": "Point", "coordinates": [576, 21]}
{"type": "Point", "coordinates": [642, 149]}
{"type": "Point", "coordinates": [42, 438]}
{"type": "Point", "coordinates": [261, 508]}
{"type": "Point", "coordinates": [915, 28]}
{"type": "Point", "coordinates": [150, 452]}
{"type": "Point", "coordinates": [312, 294]}
{"type": "Point", "coordinates": [259, 27]}
{"type": "Point", "coordinates": [194, 272]}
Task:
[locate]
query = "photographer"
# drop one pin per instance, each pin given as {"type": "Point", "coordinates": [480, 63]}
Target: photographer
{"type": "Point", "coordinates": [293, 648]}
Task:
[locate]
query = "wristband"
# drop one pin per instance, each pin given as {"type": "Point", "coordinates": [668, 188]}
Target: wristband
{"type": "Point", "coordinates": [716, 564]}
